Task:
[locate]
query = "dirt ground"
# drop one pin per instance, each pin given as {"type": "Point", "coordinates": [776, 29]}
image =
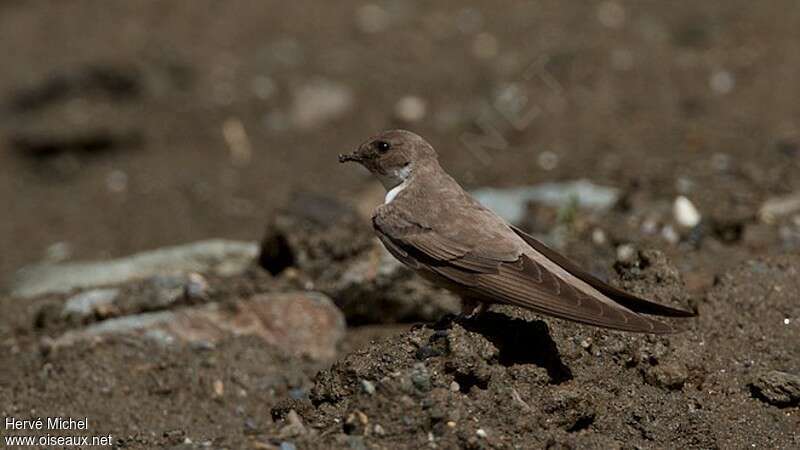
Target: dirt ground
{"type": "Point", "coordinates": [129, 126]}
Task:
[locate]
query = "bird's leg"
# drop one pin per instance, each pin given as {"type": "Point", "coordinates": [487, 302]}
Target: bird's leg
{"type": "Point", "coordinates": [471, 307]}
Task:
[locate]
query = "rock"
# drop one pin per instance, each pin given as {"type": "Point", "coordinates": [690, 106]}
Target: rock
{"type": "Point", "coordinates": [333, 246]}
{"type": "Point", "coordinates": [667, 376]}
{"type": "Point", "coordinates": [299, 323]}
{"type": "Point", "coordinates": [685, 213]}
{"type": "Point", "coordinates": [420, 377]}
{"type": "Point", "coordinates": [511, 204]}
{"type": "Point", "coordinates": [778, 207]}
{"type": "Point", "coordinates": [356, 423]}
{"type": "Point", "coordinates": [318, 102]}
{"type": "Point", "coordinates": [94, 303]}
{"type": "Point", "coordinates": [219, 256]}
{"type": "Point", "coordinates": [777, 388]}
{"type": "Point", "coordinates": [570, 410]}
{"type": "Point", "coordinates": [722, 82]}
{"type": "Point", "coordinates": [294, 425]}
{"type": "Point", "coordinates": [368, 386]}
{"type": "Point", "coordinates": [626, 254]}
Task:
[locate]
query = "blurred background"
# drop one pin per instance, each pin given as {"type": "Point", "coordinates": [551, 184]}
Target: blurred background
{"type": "Point", "coordinates": [138, 124]}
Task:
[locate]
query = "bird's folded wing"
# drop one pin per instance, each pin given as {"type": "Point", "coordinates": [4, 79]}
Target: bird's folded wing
{"type": "Point", "coordinates": [627, 300]}
{"type": "Point", "coordinates": [511, 276]}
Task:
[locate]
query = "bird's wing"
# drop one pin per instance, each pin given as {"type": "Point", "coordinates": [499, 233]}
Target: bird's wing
{"type": "Point", "coordinates": [625, 299]}
{"type": "Point", "coordinates": [493, 264]}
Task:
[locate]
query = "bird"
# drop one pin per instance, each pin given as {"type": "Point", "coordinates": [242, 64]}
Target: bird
{"type": "Point", "coordinates": [433, 226]}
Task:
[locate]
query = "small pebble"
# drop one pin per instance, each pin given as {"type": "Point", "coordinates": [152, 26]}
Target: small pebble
{"type": "Point", "coordinates": [368, 386]}
{"type": "Point", "coordinates": [626, 253]}
{"type": "Point", "coordinates": [721, 162]}
{"type": "Point", "coordinates": [481, 433]}
{"type": "Point", "coordinates": [611, 14]}
{"type": "Point", "coordinates": [410, 109]}
{"type": "Point", "coordinates": [219, 388]}
{"type": "Point", "coordinates": [599, 236]}
{"type": "Point", "coordinates": [455, 387]}
{"type": "Point", "coordinates": [686, 214]}
{"type": "Point", "coordinates": [117, 181]}
{"type": "Point", "coordinates": [420, 377]}
{"type": "Point", "coordinates": [670, 235]}
{"type": "Point", "coordinates": [650, 226]}
{"type": "Point", "coordinates": [722, 82]}
{"type": "Point", "coordinates": [58, 252]}
{"type": "Point", "coordinates": [547, 160]}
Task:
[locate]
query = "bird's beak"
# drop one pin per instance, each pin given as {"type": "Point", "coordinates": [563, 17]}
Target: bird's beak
{"type": "Point", "coordinates": [343, 158]}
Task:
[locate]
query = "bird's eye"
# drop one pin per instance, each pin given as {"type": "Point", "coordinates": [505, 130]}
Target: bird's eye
{"type": "Point", "coordinates": [382, 146]}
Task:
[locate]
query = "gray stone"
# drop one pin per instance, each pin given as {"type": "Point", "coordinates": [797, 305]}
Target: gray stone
{"type": "Point", "coordinates": [776, 208]}
{"type": "Point", "coordinates": [222, 257]}
{"type": "Point", "coordinates": [90, 303]}
{"type": "Point", "coordinates": [777, 388]}
{"type": "Point", "coordinates": [299, 323]}
{"type": "Point", "coordinates": [511, 203]}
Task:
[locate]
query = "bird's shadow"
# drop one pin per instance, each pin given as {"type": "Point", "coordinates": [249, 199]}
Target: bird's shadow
{"type": "Point", "coordinates": [520, 342]}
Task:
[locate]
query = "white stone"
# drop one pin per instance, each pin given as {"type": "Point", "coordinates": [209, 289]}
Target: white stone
{"type": "Point", "coordinates": [686, 214]}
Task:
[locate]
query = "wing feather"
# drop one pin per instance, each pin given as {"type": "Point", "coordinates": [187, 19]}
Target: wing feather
{"type": "Point", "coordinates": [625, 299]}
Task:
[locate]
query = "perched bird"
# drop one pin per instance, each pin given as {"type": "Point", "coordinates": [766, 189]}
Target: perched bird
{"type": "Point", "coordinates": [433, 226]}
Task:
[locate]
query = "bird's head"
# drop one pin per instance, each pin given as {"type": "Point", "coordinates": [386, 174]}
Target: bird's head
{"type": "Point", "coordinates": [392, 155]}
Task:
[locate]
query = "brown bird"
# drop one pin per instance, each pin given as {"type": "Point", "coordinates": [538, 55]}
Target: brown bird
{"type": "Point", "coordinates": [432, 225]}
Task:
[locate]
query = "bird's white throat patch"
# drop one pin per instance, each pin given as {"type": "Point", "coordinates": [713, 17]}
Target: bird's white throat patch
{"type": "Point", "coordinates": [393, 192]}
{"type": "Point", "coordinates": [395, 183]}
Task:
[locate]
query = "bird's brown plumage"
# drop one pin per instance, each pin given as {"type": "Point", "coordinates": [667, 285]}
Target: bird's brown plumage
{"type": "Point", "coordinates": [439, 230]}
